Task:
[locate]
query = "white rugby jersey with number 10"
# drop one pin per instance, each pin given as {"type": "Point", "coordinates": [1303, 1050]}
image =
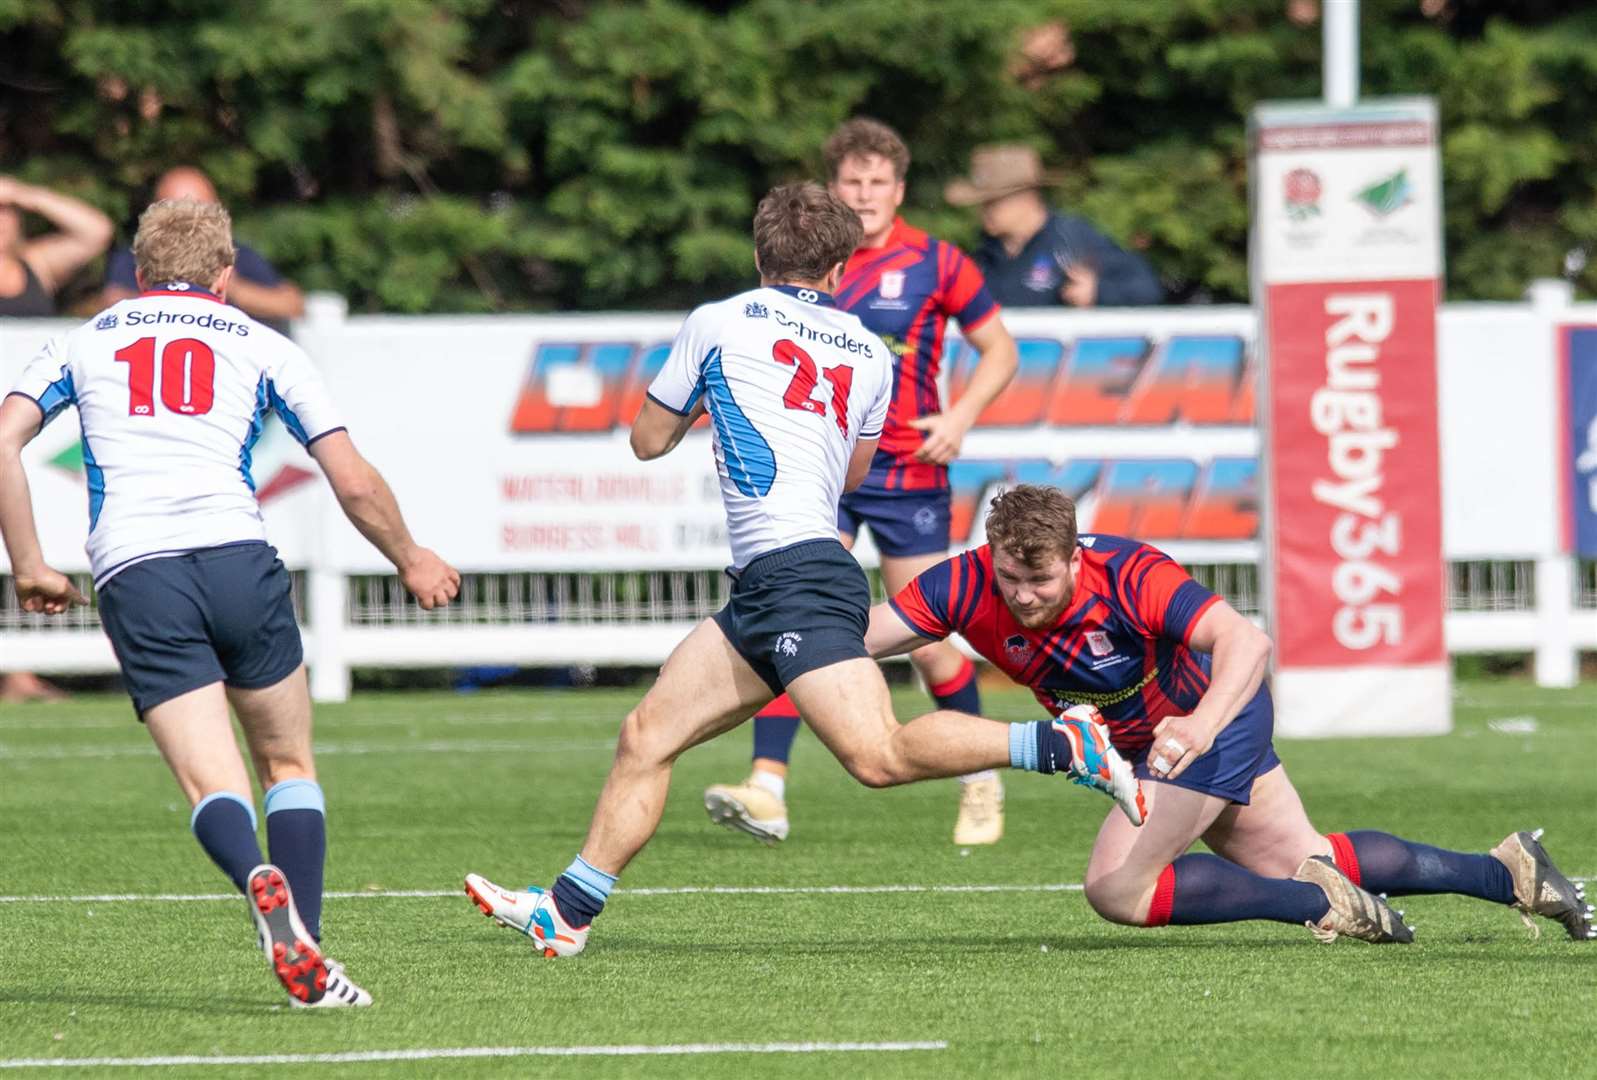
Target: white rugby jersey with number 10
{"type": "Point", "coordinates": [791, 384]}
{"type": "Point", "coordinates": [172, 387]}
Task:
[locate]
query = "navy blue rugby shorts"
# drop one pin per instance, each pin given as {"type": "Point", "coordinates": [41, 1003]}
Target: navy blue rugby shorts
{"type": "Point", "coordinates": [221, 614]}
{"type": "Point", "coordinates": [797, 609]}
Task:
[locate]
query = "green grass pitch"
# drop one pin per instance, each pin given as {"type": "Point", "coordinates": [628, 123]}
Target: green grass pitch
{"type": "Point", "coordinates": [424, 787]}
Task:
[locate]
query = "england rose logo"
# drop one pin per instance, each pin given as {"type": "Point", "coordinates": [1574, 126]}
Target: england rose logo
{"type": "Point", "coordinates": [1302, 190]}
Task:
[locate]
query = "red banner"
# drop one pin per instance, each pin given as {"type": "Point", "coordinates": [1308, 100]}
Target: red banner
{"type": "Point", "coordinates": [1354, 459]}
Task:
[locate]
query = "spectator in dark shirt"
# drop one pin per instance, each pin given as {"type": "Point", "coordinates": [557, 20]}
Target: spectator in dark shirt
{"type": "Point", "coordinates": [1033, 256]}
{"type": "Point", "coordinates": [33, 270]}
{"type": "Point", "coordinates": [256, 287]}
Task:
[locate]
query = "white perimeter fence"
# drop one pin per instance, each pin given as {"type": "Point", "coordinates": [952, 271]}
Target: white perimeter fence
{"type": "Point", "coordinates": [505, 439]}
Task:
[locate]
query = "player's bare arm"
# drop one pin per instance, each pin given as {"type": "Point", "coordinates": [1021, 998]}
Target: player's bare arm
{"type": "Point", "coordinates": [1240, 652]}
{"type": "Point", "coordinates": [39, 588]}
{"type": "Point", "coordinates": [859, 463]}
{"type": "Point", "coordinates": [889, 635]}
{"type": "Point", "coordinates": [657, 430]}
{"type": "Point", "coordinates": [945, 431]}
{"type": "Point", "coordinates": [370, 505]}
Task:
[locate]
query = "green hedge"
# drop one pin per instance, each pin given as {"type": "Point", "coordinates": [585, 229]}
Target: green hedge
{"type": "Point", "coordinates": [478, 155]}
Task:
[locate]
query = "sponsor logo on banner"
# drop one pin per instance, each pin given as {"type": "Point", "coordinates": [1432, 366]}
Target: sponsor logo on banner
{"type": "Point", "coordinates": [1301, 193]}
{"type": "Point", "coordinates": [1387, 196]}
{"type": "Point", "coordinates": [1201, 379]}
{"type": "Point", "coordinates": [1353, 417]}
{"type": "Point", "coordinates": [1580, 383]}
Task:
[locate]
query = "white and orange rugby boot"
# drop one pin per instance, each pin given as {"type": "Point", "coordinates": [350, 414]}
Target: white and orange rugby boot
{"type": "Point", "coordinates": [1095, 763]}
{"type": "Point", "coordinates": [532, 911]}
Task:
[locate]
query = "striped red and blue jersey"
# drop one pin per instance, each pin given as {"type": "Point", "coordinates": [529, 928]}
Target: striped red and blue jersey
{"type": "Point", "coordinates": [1121, 644]}
{"type": "Point", "coordinates": [905, 292]}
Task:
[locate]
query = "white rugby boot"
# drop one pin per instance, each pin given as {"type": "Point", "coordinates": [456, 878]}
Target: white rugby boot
{"type": "Point", "coordinates": [532, 911]}
{"type": "Point", "coordinates": [981, 812]}
{"type": "Point", "coordinates": [295, 957]}
{"type": "Point", "coordinates": [749, 808]}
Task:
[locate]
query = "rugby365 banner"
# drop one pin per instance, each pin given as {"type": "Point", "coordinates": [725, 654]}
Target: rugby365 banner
{"type": "Point", "coordinates": [1346, 265]}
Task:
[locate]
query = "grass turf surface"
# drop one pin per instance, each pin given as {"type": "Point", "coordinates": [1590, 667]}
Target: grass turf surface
{"type": "Point", "coordinates": [424, 787]}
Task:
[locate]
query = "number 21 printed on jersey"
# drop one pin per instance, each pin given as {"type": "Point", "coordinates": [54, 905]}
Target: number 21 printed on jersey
{"type": "Point", "coordinates": [803, 385]}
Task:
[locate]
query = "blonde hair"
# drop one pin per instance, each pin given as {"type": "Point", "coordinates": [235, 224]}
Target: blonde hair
{"type": "Point", "coordinates": [183, 240]}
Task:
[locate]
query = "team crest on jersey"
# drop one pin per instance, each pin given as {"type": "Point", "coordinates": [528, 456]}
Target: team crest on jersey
{"type": "Point", "coordinates": [1018, 649]}
{"type": "Point", "coordinates": [107, 321]}
{"type": "Point", "coordinates": [1099, 643]}
{"type": "Point", "coordinates": [754, 310]}
{"type": "Point", "coordinates": [892, 286]}
{"type": "Point", "coordinates": [788, 643]}
{"type": "Point", "coordinates": [1041, 276]}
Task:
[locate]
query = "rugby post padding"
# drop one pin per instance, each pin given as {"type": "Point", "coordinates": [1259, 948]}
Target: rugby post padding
{"type": "Point", "coordinates": [1346, 265]}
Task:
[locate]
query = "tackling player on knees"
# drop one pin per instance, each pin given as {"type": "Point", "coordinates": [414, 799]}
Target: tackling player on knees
{"type": "Point", "coordinates": [172, 387]}
{"type": "Point", "coordinates": [797, 392]}
{"type": "Point", "coordinates": [1115, 625]}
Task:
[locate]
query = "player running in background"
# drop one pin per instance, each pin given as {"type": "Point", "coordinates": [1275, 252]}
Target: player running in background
{"type": "Point", "coordinates": [1178, 674]}
{"type": "Point", "coordinates": [171, 389]}
{"type": "Point", "coordinates": [797, 391]}
{"type": "Point", "coordinates": [904, 286]}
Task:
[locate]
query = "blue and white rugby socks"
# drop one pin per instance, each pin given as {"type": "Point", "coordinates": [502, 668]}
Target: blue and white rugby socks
{"type": "Point", "coordinates": [1037, 746]}
{"type": "Point", "coordinates": [224, 824]}
{"type": "Point", "coordinates": [296, 834]}
{"type": "Point", "coordinates": [581, 891]}
{"type": "Point", "coordinates": [1383, 863]}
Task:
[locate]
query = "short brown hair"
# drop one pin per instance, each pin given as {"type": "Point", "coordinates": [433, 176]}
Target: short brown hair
{"type": "Point", "coordinates": [1032, 523]}
{"type": "Point", "coordinates": [801, 231]}
{"type": "Point", "coordinates": [864, 137]}
{"type": "Point", "coordinates": [183, 240]}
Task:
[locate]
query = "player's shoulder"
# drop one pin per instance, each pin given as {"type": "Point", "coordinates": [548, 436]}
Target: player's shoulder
{"type": "Point", "coordinates": [1107, 549]}
{"type": "Point", "coordinates": [713, 314]}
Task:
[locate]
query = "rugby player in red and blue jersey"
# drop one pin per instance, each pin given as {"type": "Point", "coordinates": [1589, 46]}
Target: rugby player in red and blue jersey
{"type": "Point", "coordinates": [904, 286]}
{"type": "Point", "coordinates": [1178, 675]}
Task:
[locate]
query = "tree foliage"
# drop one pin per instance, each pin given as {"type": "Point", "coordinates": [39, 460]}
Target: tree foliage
{"type": "Point", "coordinates": [479, 155]}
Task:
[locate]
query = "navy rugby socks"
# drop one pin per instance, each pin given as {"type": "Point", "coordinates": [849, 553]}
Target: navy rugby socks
{"type": "Point", "coordinates": [296, 835]}
{"type": "Point", "coordinates": [1199, 888]}
{"type": "Point", "coordinates": [1383, 863]}
{"type": "Point", "coordinates": [581, 891]}
{"type": "Point", "coordinates": [775, 728]}
{"type": "Point", "coordinates": [959, 693]}
{"type": "Point", "coordinates": [224, 824]}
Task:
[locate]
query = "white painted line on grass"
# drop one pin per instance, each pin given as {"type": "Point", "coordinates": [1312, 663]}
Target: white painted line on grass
{"type": "Point", "coordinates": [677, 890]}
{"type": "Point", "coordinates": [431, 746]}
{"type": "Point", "coordinates": [674, 890]}
{"type": "Point", "coordinates": [356, 1056]}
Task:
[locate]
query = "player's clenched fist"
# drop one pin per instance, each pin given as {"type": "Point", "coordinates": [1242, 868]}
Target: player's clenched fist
{"type": "Point", "coordinates": [1178, 741]}
{"type": "Point", "coordinates": [48, 591]}
{"type": "Point", "coordinates": [430, 580]}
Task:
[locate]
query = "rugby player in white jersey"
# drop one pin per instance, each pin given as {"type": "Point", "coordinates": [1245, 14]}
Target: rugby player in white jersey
{"type": "Point", "coordinates": [797, 392]}
{"type": "Point", "coordinates": [172, 387]}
